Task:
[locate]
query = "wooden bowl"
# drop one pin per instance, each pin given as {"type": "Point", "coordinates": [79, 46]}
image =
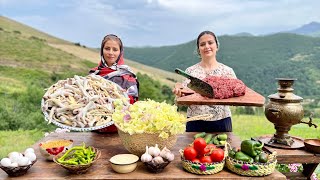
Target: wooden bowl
{"type": "Point", "coordinates": [17, 171]}
{"type": "Point", "coordinates": [312, 145]}
{"type": "Point", "coordinates": [156, 168]}
{"type": "Point", "coordinates": [81, 168]}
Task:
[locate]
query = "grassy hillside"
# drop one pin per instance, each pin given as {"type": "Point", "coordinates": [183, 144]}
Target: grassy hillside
{"type": "Point", "coordinates": [89, 54]}
{"type": "Point", "coordinates": [257, 60]}
{"type": "Point", "coordinates": [31, 61]}
{"type": "Point", "coordinates": [13, 26]}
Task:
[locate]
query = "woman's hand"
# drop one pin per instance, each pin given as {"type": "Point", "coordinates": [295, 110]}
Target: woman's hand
{"type": "Point", "coordinates": [177, 92]}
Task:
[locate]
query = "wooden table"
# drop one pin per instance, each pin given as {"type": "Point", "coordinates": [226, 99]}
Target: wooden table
{"type": "Point", "coordinates": [110, 144]}
{"type": "Point", "coordinates": [308, 160]}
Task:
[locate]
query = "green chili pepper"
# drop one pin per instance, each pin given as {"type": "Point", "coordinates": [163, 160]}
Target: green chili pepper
{"type": "Point", "coordinates": [243, 157]}
{"type": "Point", "coordinates": [251, 147]}
{"type": "Point", "coordinates": [69, 162]}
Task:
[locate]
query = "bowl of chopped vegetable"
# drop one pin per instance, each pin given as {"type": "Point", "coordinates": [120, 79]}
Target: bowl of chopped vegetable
{"type": "Point", "coordinates": [50, 148]}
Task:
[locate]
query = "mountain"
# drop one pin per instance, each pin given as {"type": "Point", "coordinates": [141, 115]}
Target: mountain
{"type": "Point", "coordinates": [257, 60]}
{"type": "Point", "coordinates": [243, 34]}
{"type": "Point", "coordinates": [311, 29]}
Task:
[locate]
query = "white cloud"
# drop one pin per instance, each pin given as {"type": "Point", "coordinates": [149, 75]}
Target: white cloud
{"type": "Point", "coordinates": [158, 22]}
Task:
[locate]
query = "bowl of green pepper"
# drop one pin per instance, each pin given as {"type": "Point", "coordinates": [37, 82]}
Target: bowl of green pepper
{"type": "Point", "coordinates": [78, 159]}
{"type": "Point", "coordinates": [250, 159]}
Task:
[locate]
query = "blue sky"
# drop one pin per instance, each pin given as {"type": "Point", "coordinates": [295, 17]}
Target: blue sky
{"type": "Point", "coordinates": [158, 22]}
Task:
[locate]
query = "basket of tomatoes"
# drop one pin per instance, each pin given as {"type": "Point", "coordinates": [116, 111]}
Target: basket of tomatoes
{"type": "Point", "coordinates": [200, 157]}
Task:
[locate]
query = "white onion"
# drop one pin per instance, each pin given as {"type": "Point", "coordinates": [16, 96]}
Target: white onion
{"type": "Point", "coordinates": [29, 150]}
{"type": "Point", "coordinates": [23, 161]}
{"type": "Point", "coordinates": [31, 156]}
{"type": "Point", "coordinates": [6, 162]}
{"type": "Point", "coordinates": [14, 156]}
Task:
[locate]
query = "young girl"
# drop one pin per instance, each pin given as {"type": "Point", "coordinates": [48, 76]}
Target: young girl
{"type": "Point", "coordinates": [112, 67]}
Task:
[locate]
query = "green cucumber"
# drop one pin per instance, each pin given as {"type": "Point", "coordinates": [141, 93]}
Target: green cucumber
{"type": "Point", "coordinates": [202, 135]}
{"type": "Point", "coordinates": [208, 138]}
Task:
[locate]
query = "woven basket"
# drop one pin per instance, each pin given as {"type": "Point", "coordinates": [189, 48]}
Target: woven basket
{"type": "Point", "coordinates": [17, 171]}
{"type": "Point", "coordinates": [203, 168]}
{"type": "Point", "coordinates": [136, 143]}
{"type": "Point", "coordinates": [252, 169]}
{"type": "Point", "coordinates": [156, 168]}
{"type": "Point", "coordinates": [81, 168]}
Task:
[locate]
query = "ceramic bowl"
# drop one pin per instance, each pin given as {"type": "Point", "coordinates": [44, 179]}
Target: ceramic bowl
{"type": "Point", "coordinates": [51, 148]}
{"type": "Point", "coordinates": [312, 145]}
{"type": "Point", "coordinates": [124, 163]}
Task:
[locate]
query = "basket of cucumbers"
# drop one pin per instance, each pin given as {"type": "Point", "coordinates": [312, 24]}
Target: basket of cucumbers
{"type": "Point", "coordinates": [217, 139]}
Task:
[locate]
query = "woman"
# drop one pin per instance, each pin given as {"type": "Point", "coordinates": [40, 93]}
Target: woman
{"type": "Point", "coordinates": [112, 67]}
{"type": "Point", "coordinates": [207, 47]}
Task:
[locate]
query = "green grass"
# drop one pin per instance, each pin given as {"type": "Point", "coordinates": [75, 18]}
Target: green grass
{"type": "Point", "coordinates": [18, 140]}
{"type": "Point", "coordinates": [34, 53]}
{"type": "Point", "coordinates": [247, 126]}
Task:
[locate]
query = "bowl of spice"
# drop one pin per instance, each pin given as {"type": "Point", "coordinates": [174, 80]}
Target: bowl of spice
{"type": "Point", "coordinates": [51, 148]}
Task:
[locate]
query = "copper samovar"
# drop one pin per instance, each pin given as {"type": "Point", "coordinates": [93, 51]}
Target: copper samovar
{"type": "Point", "coordinates": [284, 110]}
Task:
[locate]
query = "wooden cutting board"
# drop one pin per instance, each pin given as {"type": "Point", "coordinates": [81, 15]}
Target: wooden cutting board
{"type": "Point", "coordinates": [251, 98]}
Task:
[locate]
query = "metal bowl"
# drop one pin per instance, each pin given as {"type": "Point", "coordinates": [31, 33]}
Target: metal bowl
{"type": "Point", "coordinates": [312, 145]}
{"type": "Point", "coordinates": [124, 163]}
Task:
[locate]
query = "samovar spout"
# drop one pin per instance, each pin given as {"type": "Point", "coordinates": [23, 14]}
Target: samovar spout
{"type": "Point", "coordinates": [310, 121]}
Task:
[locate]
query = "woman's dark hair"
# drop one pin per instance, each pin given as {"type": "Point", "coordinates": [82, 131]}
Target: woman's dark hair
{"type": "Point", "coordinates": [113, 37]}
{"type": "Point", "coordinates": [207, 32]}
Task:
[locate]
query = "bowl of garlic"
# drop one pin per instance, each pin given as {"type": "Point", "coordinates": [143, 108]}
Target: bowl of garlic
{"type": "Point", "coordinates": [17, 164]}
{"type": "Point", "coordinates": [155, 159]}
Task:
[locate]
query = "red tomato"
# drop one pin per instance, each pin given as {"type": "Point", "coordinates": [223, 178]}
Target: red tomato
{"type": "Point", "coordinates": [217, 155]}
{"type": "Point", "coordinates": [205, 159]}
{"type": "Point", "coordinates": [195, 160]}
{"type": "Point", "coordinates": [211, 146]}
{"type": "Point", "coordinates": [190, 153]}
{"type": "Point", "coordinates": [199, 144]}
{"type": "Point", "coordinates": [204, 151]}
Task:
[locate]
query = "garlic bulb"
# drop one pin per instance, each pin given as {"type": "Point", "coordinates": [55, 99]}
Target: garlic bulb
{"type": "Point", "coordinates": [146, 157]}
{"type": "Point", "coordinates": [157, 160]}
{"type": "Point", "coordinates": [169, 156]}
{"type": "Point", "coordinates": [166, 153]}
{"type": "Point", "coordinates": [154, 151]}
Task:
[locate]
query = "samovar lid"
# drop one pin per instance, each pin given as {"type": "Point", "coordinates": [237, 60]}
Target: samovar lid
{"type": "Point", "coordinates": [285, 91]}
{"type": "Point", "coordinates": [285, 97]}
